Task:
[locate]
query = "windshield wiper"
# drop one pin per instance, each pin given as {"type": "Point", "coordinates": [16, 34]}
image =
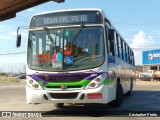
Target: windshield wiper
{"type": "Point", "coordinates": [76, 33]}
{"type": "Point", "coordinates": [48, 33]}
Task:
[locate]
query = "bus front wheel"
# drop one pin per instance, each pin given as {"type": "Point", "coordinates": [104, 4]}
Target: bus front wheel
{"type": "Point", "coordinates": [119, 96]}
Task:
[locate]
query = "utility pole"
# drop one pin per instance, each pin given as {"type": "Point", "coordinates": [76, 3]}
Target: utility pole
{"type": "Point", "coordinates": [24, 68]}
{"type": "Point", "coordinates": [12, 69]}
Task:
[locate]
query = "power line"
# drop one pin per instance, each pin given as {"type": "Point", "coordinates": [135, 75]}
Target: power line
{"type": "Point", "coordinates": [143, 37]}
{"type": "Point", "coordinates": [23, 52]}
{"type": "Point", "coordinates": [13, 47]}
{"type": "Point", "coordinates": [135, 24]}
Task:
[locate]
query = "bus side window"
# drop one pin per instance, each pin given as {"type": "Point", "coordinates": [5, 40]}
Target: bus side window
{"type": "Point", "coordinates": [107, 41]}
{"type": "Point", "coordinates": [117, 46]}
{"type": "Point", "coordinates": [122, 48]}
{"type": "Point", "coordinates": [133, 61]}
{"type": "Point", "coordinates": [128, 57]}
{"type": "Point", "coordinates": [124, 52]}
{"type": "Point", "coordinates": [111, 38]}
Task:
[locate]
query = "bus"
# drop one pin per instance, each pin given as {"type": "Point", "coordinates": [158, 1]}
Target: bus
{"type": "Point", "coordinates": [77, 56]}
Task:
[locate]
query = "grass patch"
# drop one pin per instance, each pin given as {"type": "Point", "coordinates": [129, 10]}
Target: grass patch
{"type": "Point", "coordinates": [5, 79]}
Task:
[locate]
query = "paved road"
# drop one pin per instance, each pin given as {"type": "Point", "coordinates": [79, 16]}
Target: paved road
{"type": "Point", "coordinates": [145, 97]}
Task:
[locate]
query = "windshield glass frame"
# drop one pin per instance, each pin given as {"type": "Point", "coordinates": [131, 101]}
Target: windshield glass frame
{"type": "Point", "coordinates": [66, 35]}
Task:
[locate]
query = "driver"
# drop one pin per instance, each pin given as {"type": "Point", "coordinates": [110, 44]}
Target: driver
{"type": "Point", "coordinates": [90, 43]}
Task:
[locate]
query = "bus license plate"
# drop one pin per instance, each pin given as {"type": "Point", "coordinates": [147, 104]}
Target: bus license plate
{"type": "Point", "coordinates": [94, 96]}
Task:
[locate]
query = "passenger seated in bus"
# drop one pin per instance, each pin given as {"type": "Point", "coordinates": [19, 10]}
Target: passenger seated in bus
{"type": "Point", "coordinates": [56, 58]}
{"type": "Point", "coordinates": [67, 51]}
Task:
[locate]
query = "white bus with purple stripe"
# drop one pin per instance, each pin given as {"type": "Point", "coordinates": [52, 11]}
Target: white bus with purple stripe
{"type": "Point", "coordinates": [77, 56]}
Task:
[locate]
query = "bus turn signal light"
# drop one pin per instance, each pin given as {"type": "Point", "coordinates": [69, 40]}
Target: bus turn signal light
{"type": "Point", "coordinates": [46, 77]}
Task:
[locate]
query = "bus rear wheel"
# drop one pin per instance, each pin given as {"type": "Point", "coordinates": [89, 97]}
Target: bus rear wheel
{"type": "Point", "coordinates": [119, 96]}
{"type": "Point", "coordinates": [58, 105]}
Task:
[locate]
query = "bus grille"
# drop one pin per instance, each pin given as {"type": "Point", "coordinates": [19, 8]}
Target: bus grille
{"type": "Point", "coordinates": [64, 95]}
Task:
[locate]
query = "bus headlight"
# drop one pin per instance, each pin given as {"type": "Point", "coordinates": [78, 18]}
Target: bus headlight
{"type": "Point", "coordinates": [34, 84]}
{"type": "Point", "coordinates": [97, 82]}
{"type": "Point", "coordinates": [93, 85]}
{"type": "Point", "coordinates": [98, 79]}
{"type": "Point", "coordinates": [30, 81]}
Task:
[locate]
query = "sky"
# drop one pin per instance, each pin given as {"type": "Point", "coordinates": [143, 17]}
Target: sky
{"type": "Point", "coordinates": [138, 21]}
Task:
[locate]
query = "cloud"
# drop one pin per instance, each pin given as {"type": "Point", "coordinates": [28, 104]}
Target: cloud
{"type": "Point", "coordinates": [1, 26]}
{"type": "Point", "coordinates": [5, 37]}
{"type": "Point", "coordinates": [5, 28]}
{"type": "Point", "coordinates": [6, 32]}
{"type": "Point", "coordinates": [23, 33]}
{"type": "Point", "coordinates": [11, 35]}
{"type": "Point", "coordinates": [9, 63]}
{"type": "Point", "coordinates": [12, 59]}
{"type": "Point", "coordinates": [8, 35]}
{"type": "Point", "coordinates": [157, 31]}
{"type": "Point", "coordinates": [15, 68]}
{"type": "Point", "coordinates": [141, 42]}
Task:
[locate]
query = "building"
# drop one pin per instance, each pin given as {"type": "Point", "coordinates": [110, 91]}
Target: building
{"type": "Point", "coordinates": [151, 60]}
{"type": "Point", "coordinates": [139, 68]}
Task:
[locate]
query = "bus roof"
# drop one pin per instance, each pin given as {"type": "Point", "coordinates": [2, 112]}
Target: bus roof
{"type": "Point", "coordinates": [79, 9]}
{"type": "Point", "coordinates": [83, 9]}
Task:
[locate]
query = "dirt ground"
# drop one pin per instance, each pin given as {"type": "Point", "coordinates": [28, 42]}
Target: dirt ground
{"type": "Point", "coordinates": [142, 82]}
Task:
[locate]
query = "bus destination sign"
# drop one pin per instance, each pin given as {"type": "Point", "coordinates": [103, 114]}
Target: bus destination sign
{"type": "Point", "coordinates": [63, 18]}
{"type": "Point", "coordinates": [66, 19]}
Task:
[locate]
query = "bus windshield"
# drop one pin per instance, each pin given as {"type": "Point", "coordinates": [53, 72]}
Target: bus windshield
{"type": "Point", "coordinates": [65, 49]}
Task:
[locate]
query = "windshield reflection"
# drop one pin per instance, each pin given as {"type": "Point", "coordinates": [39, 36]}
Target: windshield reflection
{"type": "Point", "coordinates": [66, 49]}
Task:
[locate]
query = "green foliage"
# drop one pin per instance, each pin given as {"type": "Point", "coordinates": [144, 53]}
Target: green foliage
{"type": "Point", "coordinates": [3, 74]}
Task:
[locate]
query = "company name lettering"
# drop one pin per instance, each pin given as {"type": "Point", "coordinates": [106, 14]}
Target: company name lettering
{"type": "Point", "coordinates": [153, 56]}
{"type": "Point", "coordinates": [156, 55]}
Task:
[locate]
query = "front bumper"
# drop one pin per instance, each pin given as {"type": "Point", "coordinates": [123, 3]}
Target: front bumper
{"type": "Point", "coordinates": [97, 95]}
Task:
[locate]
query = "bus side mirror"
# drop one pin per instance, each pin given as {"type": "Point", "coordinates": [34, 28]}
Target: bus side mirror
{"type": "Point", "coordinates": [111, 34]}
{"type": "Point", "coordinates": [18, 42]}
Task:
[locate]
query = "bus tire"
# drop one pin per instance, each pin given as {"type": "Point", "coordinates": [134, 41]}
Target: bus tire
{"type": "Point", "coordinates": [58, 105]}
{"type": "Point", "coordinates": [119, 96]}
{"type": "Point", "coordinates": [129, 93]}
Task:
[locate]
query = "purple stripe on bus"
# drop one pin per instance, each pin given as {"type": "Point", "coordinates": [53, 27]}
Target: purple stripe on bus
{"type": "Point", "coordinates": [38, 79]}
{"type": "Point", "coordinates": [81, 76]}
